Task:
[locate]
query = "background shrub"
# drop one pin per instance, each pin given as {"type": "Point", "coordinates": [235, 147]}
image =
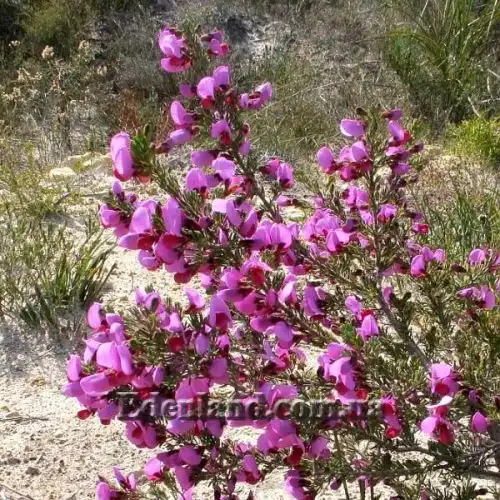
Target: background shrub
{"type": "Point", "coordinates": [443, 54]}
{"type": "Point", "coordinates": [478, 138]}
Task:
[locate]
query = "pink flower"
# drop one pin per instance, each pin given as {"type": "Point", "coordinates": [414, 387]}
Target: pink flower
{"type": "Point", "coordinates": [105, 492]}
{"type": "Point", "coordinates": [155, 467]}
{"type": "Point", "coordinates": [352, 128]}
{"type": "Point", "coordinates": [260, 96]}
{"type": "Point", "coordinates": [222, 131]}
{"type": "Point", "coordinates": [279, 434]}
{"type": "Point", "coordinates": [436, 425]}
{"type": "Point", "coordinates": [388, 408]}
{"type": "Point", "coordinates": [326, 160]}
{"type": "Point", "coordinates": [249, 472]}
{"type": "Point", "coordinates": [128, 483]}
{"type": "Point", "coordinates": [443, 380]}
{"type": "Point", "coordinates": [173, 46]}
{"type": "Point", "coordinates": [121, 156]}
{"type": "Point", "coordinates": [196, 180]}
{"type": "Point", "coordinates": [368, 328]}
{"type": "Point", "coordinates": [477, 257]}
{"type": "Point", "coordinates": [297, 486]}
{"type": "Point", "coordinates": [180, 116]}
{"type": "Point", "coordinates": [141, 435]}
{"type": "Point", "coordinates": [224, 168]}
{"type": "Point", "coordinates": [318, 448]}
{"type": "Point", "coordinates": [479, 423]}
{"type": "Point", "coordinates": [196, 301]}
{"type": "Point", "coordinates": [219, 315]}
{"type": "Point", "coordinates": [386, 213]}
{"type": "Point", "coordinates": [482, 296]}
{"type": "Point", "coordinates": [356, 198]}
{"type": "Point", "coordinates": [216, 46]}
{"type": "Point", "coordinates": [285, 176]}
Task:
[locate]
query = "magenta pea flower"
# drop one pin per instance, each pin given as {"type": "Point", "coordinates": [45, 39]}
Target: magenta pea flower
{"type": "Point", "coordinates": [479, 423]}
{"type": "Point", "coordinates": [217, 49]}
{"type": "Point", "coordinates": [437, 426]}
{"type": "Point", "coordinates": [173, 46]}
{"type": "Point", "coordinates": [216, 46]}
{"type": "Point", "coordinates": [219, 315]}
{"type": "Point", "coordinates": [420, 228]}
{"type": "Point", "coordinates": [203, 158]}
{"type": "Point", "coordinates": [297, 486]}
{"type": "Point", "coordinates": [189, 455]}
{"type": "Point", "coordinates": [443, 380]}
{"type": "Point", "coordinates": [206, 91]}
{"type": "Point", "coordinates": [224, 168]}
{"type": "Point", "coordinates": [285, 176]}
{"type": "Point", "coordinates": [249, 472]}
{"type": "Point", "coordinates": [187, 90]}
{"type": "Point", "coordinates": [393, 114]}
{"type": "Point", "coordinates": [418, 266]}
{"type": "Point", "coordinates": [260, 96]}
{"type": "Point", "coordinates": [279, 434]}
{"type": "Point", "coordinates": [336, 240]}
{"type": "Point", "coordinates": [196, 180]}
{"type": "Point", "coordinates": [477, 257]}
{"type": "Point", "coordinates": [398, 133]}
{"type": "Point", "coordinates": [109, 217]}
{"type": "Point", "coordinates": [105, 492]}
{"type": "Point", "coordinates": [141, 435]}
{"type": "Point", "coordinates": [369, 327]}
{"type": "Point", "coordinates": [326, 160]}
{"type": "Point", "coordinates": [180, 116]}
{"type": "Point", "coordinates": [196, 301]}
{"type": "Point", "coordinates": [121, 156]}
{"type": "Point", "coordinates": [388, 408]}
{"type": "Point", "coordinates": [386, 213]}
{"type": "Point", "coordinates": [318, 448]}
{"type": "Point", "coordinates": [283, 333]}
{"type": "Point", "coordinates": [352, 128]}
{"type": "Point", "coordinates": [218, 371]}
{"type": "Point", "coordinates": [155, 468]}
{"type": "Point", "coordinates": [356, 198]}
{"type": "Point", "coordinates": [222, 131]}
{"type": "Point", "coordinates": [313, 302]}
{"type": "Point", "coordinates": [222, 77]}
{"type": "Point", "coordinates": [115, 356]}
{"type": "Point", "coordinates": [482, 296]}
{"type": "Point", "coordinates": [128, 483]}
{"type": "Point", "coordinates": [353, 304]}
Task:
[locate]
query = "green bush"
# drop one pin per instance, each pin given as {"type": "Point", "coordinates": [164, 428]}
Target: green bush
{"type": "Point", "coordinates": [478, 139]}
{"type": "Point", "coordinates": [443, 54]}
{"type": "Point", "coordinates": [61, 23]}
{"type": "Point", "coordinates": [468, 220]}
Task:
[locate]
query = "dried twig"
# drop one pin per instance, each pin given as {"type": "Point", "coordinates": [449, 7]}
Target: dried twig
{"type": "Point", "coordinates": [22, 496]}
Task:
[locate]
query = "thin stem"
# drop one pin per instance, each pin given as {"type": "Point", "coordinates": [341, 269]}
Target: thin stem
{"type": "Point", "coordinates": [402, 330]}
{"type": "Point", "coordinates": [339, 450]}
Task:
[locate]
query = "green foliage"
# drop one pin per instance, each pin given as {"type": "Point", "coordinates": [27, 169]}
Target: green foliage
{"type": "Point", "coordinates": [54, 23]}
{"type": "Point", "coordinates": [444, 53]}
{"type": "Point", "coordinates": [478, 139]}
{"type": "Point", "coordinates": [46, 272]}
{"type": "Point", "coordinates": [10, 20]}
{"type": "Point", "coordinates": [293, 124]}
{"type": "Point", "coordinates": [467, 221]}
{"type": "Point", "coordinates": [59, 23]}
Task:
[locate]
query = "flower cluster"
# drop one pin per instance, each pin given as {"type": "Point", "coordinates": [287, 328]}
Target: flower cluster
{"type": "Point", "coordinates": [274, 294]}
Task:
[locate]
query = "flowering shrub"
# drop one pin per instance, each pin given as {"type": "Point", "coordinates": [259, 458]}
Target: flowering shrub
{"type": "Point", "coordinates": [349, 307]}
